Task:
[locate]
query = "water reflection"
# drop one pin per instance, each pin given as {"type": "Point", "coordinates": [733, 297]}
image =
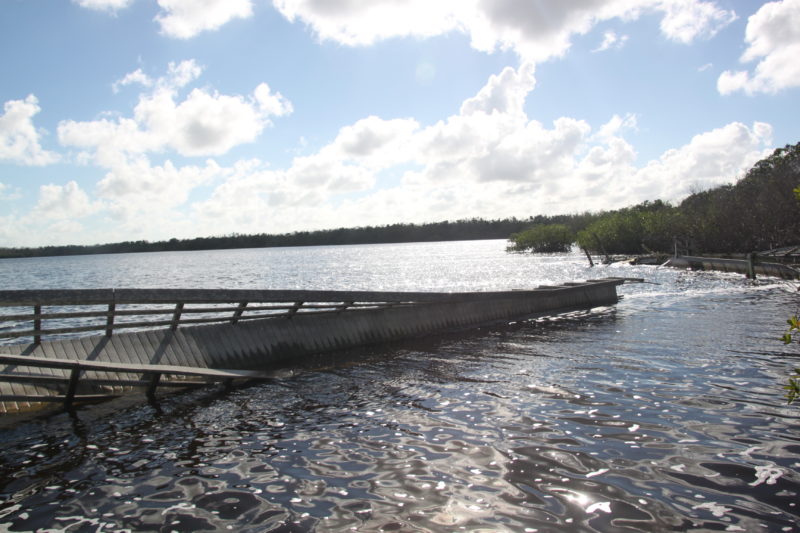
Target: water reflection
{"type": "Point", "coordinates": [662, 413]}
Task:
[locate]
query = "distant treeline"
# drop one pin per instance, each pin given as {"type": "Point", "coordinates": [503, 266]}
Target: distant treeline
{"type": "Point", "coordinates": [471, 229]}
{"type": "Point", "coordinates": [760, 212]}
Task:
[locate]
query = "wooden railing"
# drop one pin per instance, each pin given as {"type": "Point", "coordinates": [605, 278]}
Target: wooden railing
{"type": "Point", "coordinates": [108, 310]}
{"type": "Point", "coordinates": [61, 313]}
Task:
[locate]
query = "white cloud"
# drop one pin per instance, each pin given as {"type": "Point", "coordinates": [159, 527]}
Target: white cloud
{"type": "Point", "coordinates": [19, 139]}
{"type": "Point", "coordinates": [487, 161]}
{"type": "Point", "coordinates": [63, 202]}
{"type": "Point", "coordinates": [363, 23]}
{"type": "Point", "coordinates": [148, 200]}
{"type": "Point", "coordinates": [686, 20]}
{"type": "Point", "coordinates": [374, 141]}
{"type": "Point", "coordinates": [180, 74]}
{"type": "Point", "coordinates": [104, 5]}
{"type": "Point", "coordinates": [536, 29]}
{"type": "Point", "coordinates": [135, 189]}
{"type": "Point", "coordinates": [137, 76]}
{"type": "Point", "coordinates": [272, 103]}
{"type": "Point", "coordinates": [184, 19]}
{"type": "Point", "coordinates": [504, 93]}
{"type": "Point", "coordinates": [611, 40]}
{"type": "Point", "coordinates": [710, 159]}
{"type": "Point", "coordinates": [204, 123]}
{"type": "Point", "coordinates": [773, 37]}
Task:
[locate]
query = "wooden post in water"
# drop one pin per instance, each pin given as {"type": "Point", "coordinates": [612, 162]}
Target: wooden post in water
{"type": "Point", "coordinates": [751, 270]}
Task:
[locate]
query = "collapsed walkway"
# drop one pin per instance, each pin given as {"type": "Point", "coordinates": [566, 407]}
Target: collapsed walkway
{"type": "Point", "coordinates": [87, 345]}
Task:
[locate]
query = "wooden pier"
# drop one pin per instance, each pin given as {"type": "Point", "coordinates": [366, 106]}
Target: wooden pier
{"type": "Point", "coordinates": [70, 346]}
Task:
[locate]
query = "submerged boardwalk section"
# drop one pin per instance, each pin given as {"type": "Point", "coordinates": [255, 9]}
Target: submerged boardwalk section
{"type": "Point", "coordinates": [78, 345]}
{"type": "Point", "coordinates": [751, 268]}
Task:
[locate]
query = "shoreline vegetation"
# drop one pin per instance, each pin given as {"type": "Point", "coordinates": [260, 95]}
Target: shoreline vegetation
{"type": "Point", "coordinates": [759, 212]}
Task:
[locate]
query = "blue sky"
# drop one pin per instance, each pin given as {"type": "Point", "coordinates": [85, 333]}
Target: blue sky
{"type": "Point", "coordinates": [152, 119]}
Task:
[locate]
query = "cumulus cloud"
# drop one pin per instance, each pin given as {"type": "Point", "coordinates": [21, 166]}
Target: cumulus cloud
{"type": "Point", "coordinates": [773, 38]}
{"type": "Point", "coordinates": [488, 161]}
{"type": "Point", "coordinates": [184, 19]}
{"type": "Point", "coordinates": [537, 30]}
{"type": "Point", "coordinates": [19, 138]}
{"type": "Point", "coordinates": [710, 159]}
{"type": "Point", "coordinates": [63, 202]}
{"type": "Point", "coordinates": [203, 123]}
{"type": "Point", "coordinates": [505, 93]}
{"type": "Point", "coordinates": [144, 198]}
{"type": "Point", "coordinates": [135, 187]}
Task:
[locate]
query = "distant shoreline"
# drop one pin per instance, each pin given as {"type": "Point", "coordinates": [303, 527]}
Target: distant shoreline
{"type": "Point", "coordinates": [460, 230]}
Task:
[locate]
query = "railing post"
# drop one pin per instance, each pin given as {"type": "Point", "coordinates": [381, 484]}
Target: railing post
{"type": "Point", "coordinates": [295, 307]}
{"type": "Point", "coordinates": [73, 386]}
{"type": "Point", "coordinates": [110, 320]}
{"type": "Point", "coordinates": [238, 313]}
{"type": "Point", "coordinates": [151, 388]}
{"type": "Point", "coordinates": [751, 261]}
{"type": "Point", "coordinates": [37, 323]}
{"type": "Point", "coordinates": [176, 316]}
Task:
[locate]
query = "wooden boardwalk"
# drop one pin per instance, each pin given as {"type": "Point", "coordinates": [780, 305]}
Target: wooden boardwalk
{"type": "Point", "coordinates": [741, 266]}
{"type": "Point", "coordinates": [75, 345]}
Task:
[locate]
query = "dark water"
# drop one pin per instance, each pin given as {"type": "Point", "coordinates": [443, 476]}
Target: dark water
{"type": "Point", "coordinates": [663, 413]}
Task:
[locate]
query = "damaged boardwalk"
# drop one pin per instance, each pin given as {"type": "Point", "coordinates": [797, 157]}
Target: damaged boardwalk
{"type": "Point", "coordinates": [70, 346]}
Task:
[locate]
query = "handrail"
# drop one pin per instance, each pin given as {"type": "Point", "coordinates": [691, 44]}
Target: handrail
{"type": "Point", "coordinates": [23, 297]}
{"type": "Point", "coordinates": [180, 307]}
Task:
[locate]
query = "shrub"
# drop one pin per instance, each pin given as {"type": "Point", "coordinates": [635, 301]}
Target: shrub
{"type": "Point", "coordinates": [544, 238]}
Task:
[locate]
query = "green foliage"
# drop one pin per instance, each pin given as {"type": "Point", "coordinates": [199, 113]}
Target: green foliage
{"type": "Point", "coordinates": [544, 238]}
{"type": "Point", "coordinates": [793, 387]}
{"type": "Point", "coordinates": [757, 213]}
{"type": "Point", "coordinates": [647, 227]}
{"type": "Point", "coordinates": [794, 325]}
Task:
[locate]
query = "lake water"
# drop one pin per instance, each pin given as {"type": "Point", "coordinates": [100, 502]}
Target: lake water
{"type": "Point", "coordinates": [662, 413]}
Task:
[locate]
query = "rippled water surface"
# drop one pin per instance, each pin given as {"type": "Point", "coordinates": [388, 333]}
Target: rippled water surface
{"type": "Point", "coordinates": [663, 413]}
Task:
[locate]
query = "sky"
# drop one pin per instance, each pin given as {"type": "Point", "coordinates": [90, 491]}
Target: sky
{"type": "Point", "coordinates": [128, 120]}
